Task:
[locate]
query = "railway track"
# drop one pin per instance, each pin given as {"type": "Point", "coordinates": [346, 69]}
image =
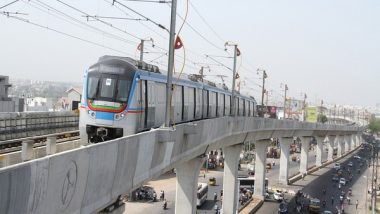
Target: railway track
{"type": "Point", "coordinates": [14, 145]}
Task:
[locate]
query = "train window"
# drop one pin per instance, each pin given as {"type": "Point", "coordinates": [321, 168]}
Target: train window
{"type": "Point", "coordinates": [107, 87]}
{"type": "Point", "coordinates": [92, 87]}
{"type": "Point", "coordinates": [123, 90]}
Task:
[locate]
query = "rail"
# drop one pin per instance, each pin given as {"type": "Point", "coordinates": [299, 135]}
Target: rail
{"type": "Point", "coordinates": [27, 144]}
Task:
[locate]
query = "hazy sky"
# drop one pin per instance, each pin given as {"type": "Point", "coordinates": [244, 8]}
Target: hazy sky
{"type": "Point", "coordinates": [327, 49]}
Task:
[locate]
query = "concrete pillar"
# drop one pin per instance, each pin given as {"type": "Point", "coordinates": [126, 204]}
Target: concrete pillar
{"type": "Point", "coordinates": [318, 160]}
{"type": "Point", "coordinates": [260, 171]}
{"type": "Point", "coordinates": [187, 183]}
{"type": "Point", "coordinates": [230, 182]}
{"type": "Point", "coordinates": [27, 150]}
{"type": "Point", "coordinates": [305, 141]}
{"type": "Point", "coordinates": [330, 146]}
{"type": "Point", "coordinates": [51, 145]}
{"type": "Point", "coordinates": [347, 140]}
{"type": "Point", "coordinates": [339, 145]}
{"type": "Point", "coordinates": [352, 142]}
{"type": "Point", "coordinates": [284, 159]}
{"type": "Point", "coordinates": [358, 140]}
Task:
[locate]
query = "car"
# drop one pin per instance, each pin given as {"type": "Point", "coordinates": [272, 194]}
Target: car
{"type": "Point", "coordinates": [278, 196]}
{"type": "Point", "coordinates": [350, 164]}
{"type": "Point", "coordinates": [339, 172]}
{"type": "Point", "coordinates": [337, 166]}
{"type": "Point", "coordinates": [212, 181]}
{"type": "Point", "coordinates": [342, 181]}
{"type": "Point", "coordinates": [268, 166]}
{"type": "Point", "coordinates": [357, 157]}
{"type": "Point", "coordinates": [335, 178]}
{"type": "Point", "coordinates": [327, 212]}
{"type": "Point", "coordinates": [315, 205]}
{"type": "Point", "coordinates": [283, 208]}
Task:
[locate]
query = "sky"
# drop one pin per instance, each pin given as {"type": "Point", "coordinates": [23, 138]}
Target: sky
{"type": "Point", "coordinates": [326, 49]}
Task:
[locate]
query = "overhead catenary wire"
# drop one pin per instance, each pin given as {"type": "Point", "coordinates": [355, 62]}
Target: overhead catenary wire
{"type": "Point", "coordinates": [101, 21]}
{"type": "Point", "coordinates": [80, 24]}
{"type": "Point", "coordinates": [10, 3]}
{"type": "Point", "coordinates": [66, 34]}
{"type": "Point", "coordinates": [140, 14]}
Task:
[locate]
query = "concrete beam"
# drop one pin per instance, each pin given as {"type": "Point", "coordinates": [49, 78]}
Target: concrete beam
{"type": "Point", "coordinates": [187, 183]}
{"type": "Point", "coordinates": [305, 141]}
{"type": "Point", "coordinates": [330, 146]}
{"type": "Point", "coordinates": [230, 183]}
{"type": "Point", "coordinates": [284, 159]}
{"type": "Point", "coordinates": [166, 135]}
{"type": "Point", "coordinates": [260, 170]}
{"type": "Point", "coordinates": [318, 160]}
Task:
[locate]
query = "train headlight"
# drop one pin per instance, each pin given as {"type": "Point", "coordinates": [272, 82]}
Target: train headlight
{"type": "Point", "coordinates": [91, 113]}
{"type": "Point", "coordinates": [119, 116]}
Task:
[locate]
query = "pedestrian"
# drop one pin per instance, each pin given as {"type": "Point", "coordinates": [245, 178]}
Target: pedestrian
{"type": "Point", "coordinates": [204, 175]}
{"type": "Point", "coordinates": [303, 177]}
{"type": "Point", "coordinates": [332, 200]}
{"type": "Point", "coordinates": [356, 204]}
{"type": "Point", "coordinates": [215, 196]}
{"type": "Point", "coordinates": [163, 195]}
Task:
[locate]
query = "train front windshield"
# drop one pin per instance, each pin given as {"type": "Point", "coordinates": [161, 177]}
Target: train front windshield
{"type": "Point", "coordinates": [108, 88]}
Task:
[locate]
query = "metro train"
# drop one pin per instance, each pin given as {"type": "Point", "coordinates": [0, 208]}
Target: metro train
{"type": "Point", "coordinates": [123, 96]}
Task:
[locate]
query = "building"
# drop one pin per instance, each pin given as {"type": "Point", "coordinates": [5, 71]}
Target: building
{"type": "Point", "coordinates": [9, 104]}
{"type": "Point", "coordinates": [74, 95]}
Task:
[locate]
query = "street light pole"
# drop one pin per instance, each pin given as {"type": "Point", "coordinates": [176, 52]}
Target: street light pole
{"type": "Point", "coordinates": [286, 89]}
{"type": "Point", "coordinates": [170, 63]}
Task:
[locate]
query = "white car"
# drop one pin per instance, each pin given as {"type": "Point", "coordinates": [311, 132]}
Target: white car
{"type": "Point", "coordinates": [337, 166]}
{"type": "Point", "coordinates": [350, 164]}
{"type": "Point", "coordinates": [342, 181]}
{"type": "Point", "coordinates": [278, 196]}
{"type": "Point", "coordinates": [357, 157]}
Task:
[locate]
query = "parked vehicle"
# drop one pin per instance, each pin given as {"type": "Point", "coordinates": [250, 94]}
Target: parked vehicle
{"type": "Point", "coordinates": [342, 181]}
{"type": "Point", "coordinates": [283, 208]}
{"type": "Point", "coordinates": [350, 164]}
{"type": "Point", "coordinates": [315, 205]}
{"type": "Point", "coordinates": [278, 196]}
{"type": "Point", "coordinates": [337, 166]}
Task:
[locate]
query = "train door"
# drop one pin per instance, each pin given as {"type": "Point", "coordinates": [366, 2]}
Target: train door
{"type": "Point", "coordinates": [205, 104]}
{"type": "Point", "coordinates": [150, 105]}
{"type": "Point", "coordinates": [141, 85]}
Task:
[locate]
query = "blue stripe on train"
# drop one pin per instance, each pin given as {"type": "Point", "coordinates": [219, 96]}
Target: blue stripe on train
{"type": "Point", "coordinates": [104, 115]}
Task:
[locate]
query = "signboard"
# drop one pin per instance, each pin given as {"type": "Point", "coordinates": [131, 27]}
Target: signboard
{"type": "Point", "coordinates": [294, 106]}
{"type": "Point", "coordinates": [311, 114]}
{"type": "Point", "coordinates": [272, 111]}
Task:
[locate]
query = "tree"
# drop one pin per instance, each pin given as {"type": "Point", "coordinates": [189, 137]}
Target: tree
{"type": "Point", "coordinates": [322, 118]}
{"type": "Point", "coordinates": [374, 125]}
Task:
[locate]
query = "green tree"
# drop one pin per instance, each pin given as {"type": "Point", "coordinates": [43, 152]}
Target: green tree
{"type": "Point", "coordinates": [322, 118]}
{"type": "Point", "coordinates": [374, 125]}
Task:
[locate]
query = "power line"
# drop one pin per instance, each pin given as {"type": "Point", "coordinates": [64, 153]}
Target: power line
{"type": "Point", "coordinates": [112, 17]}
{"type": "Point", "coordinates": [6, 5]}
{"type": "Point", "coordinates": [150, 1]}
{"type": "Point", "coordinates": [198, 33]}
{"type": "Point", "coordinates": [66, 34]}
{"type": "Point", "coordinates": [106, 23]}
{"type": "Point", "coordinates": [204, 20]}
{"type": "Point", "coordinates": [49, 8]}
{"type": "Point", "coordinates": [134, 11]}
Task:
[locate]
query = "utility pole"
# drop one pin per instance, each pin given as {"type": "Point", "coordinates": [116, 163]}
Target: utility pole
{"type": "Point", "coordinates": [233, 77]}
{"type": "Point", "coordinates": [286, 89]}
{"type": "Point", "coordinates": [170, 63]}
{"type": "Point", "coordinates": [201, 73]}
{"type": "Point", "coordinates": [141, 47]}
{"type": "Point", "coordinates": [142, 50]}
{"type": "Point", "coordinates": [304, 107]}
{"type": "Point", "coordinates": [373, 193]}
{"type": "Point", "coordinates": [263, 90]}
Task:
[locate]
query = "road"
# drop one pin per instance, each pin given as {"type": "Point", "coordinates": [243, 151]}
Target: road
{"type": "Point", "coordinates": [316, 182]}
{"type": "Point", "coordinates": [167, 182]}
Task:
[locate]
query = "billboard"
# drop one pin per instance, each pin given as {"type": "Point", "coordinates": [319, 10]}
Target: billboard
{"type": "Point", "coordinates": [272, 111]}
{"type": "Point", "coordinates": [294, 106]}
{"type": "Point", "coordinates": [311, 114]}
